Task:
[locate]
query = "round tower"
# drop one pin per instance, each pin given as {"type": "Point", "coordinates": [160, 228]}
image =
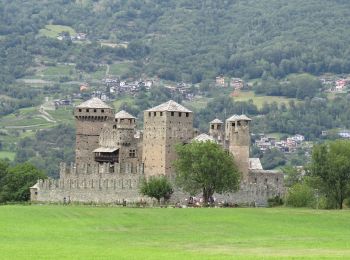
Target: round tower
{"type": "Point", "coordinates": [216, 130]}
{"type": "Point", "coordinates": [90, 118]}
{"type": "Point", "coordinates": [238, 137]}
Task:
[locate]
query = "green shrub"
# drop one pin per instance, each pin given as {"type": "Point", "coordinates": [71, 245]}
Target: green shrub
{"type": "Point", "coordinates": [275, 201]}
{"type": "Point", "coordinates": [301, 195]}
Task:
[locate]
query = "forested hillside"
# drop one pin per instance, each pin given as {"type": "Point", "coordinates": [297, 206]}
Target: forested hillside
{"type": "Point", "coordinates": [184, 39]}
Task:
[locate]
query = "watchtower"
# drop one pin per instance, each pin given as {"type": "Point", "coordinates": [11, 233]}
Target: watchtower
{"type": "Point", "coordinates": [238, 137]}
{"type": "Point", "coordinates": [164, 126]}
{"type": "Point", "coordinates": [90, 118]}
{"type": "Point", "coordinates": [216, 130]}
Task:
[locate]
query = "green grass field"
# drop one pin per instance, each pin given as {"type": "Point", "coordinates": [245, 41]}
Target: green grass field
{"type": "Point", "coordinates": [259, 100]}
{"type": "Point", "coordinates": [119, 68]}
{"type": "Point", "coordinates": [7, 155]}
{"type": "Point", "coordinates": [52, 30]}
{"type": "Point", "coordinates": [77, 232]}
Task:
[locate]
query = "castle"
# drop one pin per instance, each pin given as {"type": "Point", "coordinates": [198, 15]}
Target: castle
{"type": "Point", "coordinates": [112, 156]}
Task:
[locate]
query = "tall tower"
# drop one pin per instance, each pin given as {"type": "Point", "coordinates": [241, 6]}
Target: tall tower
{"type": "Point", "coordinates": [238, 136]}
{"type": "Point", "coordinates": [90, 117]}
{"type": "Point", "coordinates": [125, 125]}
{"type": "Point", "coordinates": [216, 130]}
{"type": "Point", "coordinates": [164, 126]}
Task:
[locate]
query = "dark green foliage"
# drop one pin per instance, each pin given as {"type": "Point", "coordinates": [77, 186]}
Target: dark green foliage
{"type": "Point", "coordinates": [156, 187]}
{"type": "Point", "coordinates": [48, 148]}
{"type": "Point", "coordinates": [275, 201]}
{"type": "Point", "coordinates": [331, 167]}
{"type": "Point", "coordinates": [300, 86]}
{"type": "Point", "coordinates": [292, 176]}
{"type": "Point", "coordinates": [205, 167]}
{"type": "Point", "coordinates": [273, 158]}
{"type": "Point", "coordinates": [15, 181]}
{"type": "Point", "coordinates": [301, 195]}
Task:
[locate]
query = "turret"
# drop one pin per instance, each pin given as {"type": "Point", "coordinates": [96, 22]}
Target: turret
{"type": "Point", "coordinates": [238, 136]}
{"type": "Point", "coordinates": [216, 130]}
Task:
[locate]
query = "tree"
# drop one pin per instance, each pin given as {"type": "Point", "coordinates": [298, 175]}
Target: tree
{"type": "Point", "coordinates": [205, 167]}
{"type": "Point", "coordinates": [156, 187]}
{"type": "Point", "coordinates": [331, 165]}
{"type": "Point", "coordinates": [15, 184]}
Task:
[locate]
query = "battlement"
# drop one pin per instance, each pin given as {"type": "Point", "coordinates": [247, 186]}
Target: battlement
{"type": "Point", "coordinates": [100, 170]}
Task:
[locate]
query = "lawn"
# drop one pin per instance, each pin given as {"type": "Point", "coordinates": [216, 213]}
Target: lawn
{"type": "Point", "coordinates": [259, 100]}
{"type": "Point", "coordinates": [77, 232]}
{"type": "Point", "coordinates": [119, 69]}
{"type": "Point", "coordinates": [7, 155]}
{"type": "Point", "coordinates": [53, 31]}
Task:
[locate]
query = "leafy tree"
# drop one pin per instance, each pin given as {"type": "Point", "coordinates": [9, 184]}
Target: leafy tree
{"type": "Point", "coordinates": [273, 158]}
{"type": "Point", "coordinates": [292, 176]}
{"type": "Point", "coordinates": [301, 195]}
{"type": "Point", "coordinates": [331, 166]}
{"type": "Point", "coordinates": [156, 187]}
{"type": "Point", "coordinates": [14, 186]}
{"type": "Point", "coordinates": [205, 167]}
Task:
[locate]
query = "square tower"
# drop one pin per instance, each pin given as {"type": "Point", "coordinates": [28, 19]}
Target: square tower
{"type": "Point", "coordinates": [90, 118]}
{"type": "Point", "coordinates": [164, 126]}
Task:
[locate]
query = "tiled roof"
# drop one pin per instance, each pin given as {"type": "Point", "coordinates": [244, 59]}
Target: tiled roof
{"type": "Point", "coordinates": [238, 117]}
{"type": "Point", "coordinates": [203, 138]}
{"type": "Point", "coordinates": [94, 103]}
{"type": "Point", "coordinates": [216, 121]}
{"type": "Point", "coordinates": [170, 106]}
{"type": "Point", "coordinates": [105, 150]}
{"type": "Point", "coordinates": [123, 114]}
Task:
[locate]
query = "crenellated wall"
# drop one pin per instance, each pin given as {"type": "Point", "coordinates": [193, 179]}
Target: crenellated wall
{"type": "Point", "coordinates": [79, 185]}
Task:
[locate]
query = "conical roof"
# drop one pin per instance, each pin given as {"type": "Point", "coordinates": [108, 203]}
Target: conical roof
{"type": "Point", "coordinates": [239, 117]}
{"type": "Point", "coordinates": [123, 114]}
{"type": "Point", "coordinates": [203, 138]}
{"type": "Point", "coordinates": [216, 121]}
{"type": "Point", "coordinates": [94, 103]}
{"type": "Point", "coordinates": [170, 105]}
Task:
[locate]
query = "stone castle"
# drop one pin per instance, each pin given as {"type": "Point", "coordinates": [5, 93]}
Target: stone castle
{"type": "Point", "coordinates": [112, 156]}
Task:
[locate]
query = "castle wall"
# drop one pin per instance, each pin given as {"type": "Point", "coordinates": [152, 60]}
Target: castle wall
{"type": "Point", "coordinates": [111, 188]}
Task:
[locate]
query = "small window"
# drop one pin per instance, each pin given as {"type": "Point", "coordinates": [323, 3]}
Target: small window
{"type": "Point", "coordinates": [154, 113]}
{"type": "Point", "coordinates": [212, 126]}
{"type": "Point", "coordinates": [87, 110]}
{"type": "Point", "coordinates": [161, 113]}
{"type": "Point", "coordinates": [172, 113]}
{"type": "Point", "coordinates": [79, 109]}
{"type": "Point", "coordinates": [233, 124]}
{"type": "Point", "coordinates": [132, 153]}
{"type": "Point", "coordinates": [95, 110]}
{"type": "Point", "coordinates": [218, 127]}
{"type": "Point", "coordinates": [149, 114]}
{"type": "Point", "coordinates": [187, 114]}
{"type": "Point", "coordinates": [102, 111]}
{"type": "Point", "coordinates": [130, 121]}
{"type": "Point", "coordinates": [114, 127]}
{"type": "Point", "coordinates": [179, 114]}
